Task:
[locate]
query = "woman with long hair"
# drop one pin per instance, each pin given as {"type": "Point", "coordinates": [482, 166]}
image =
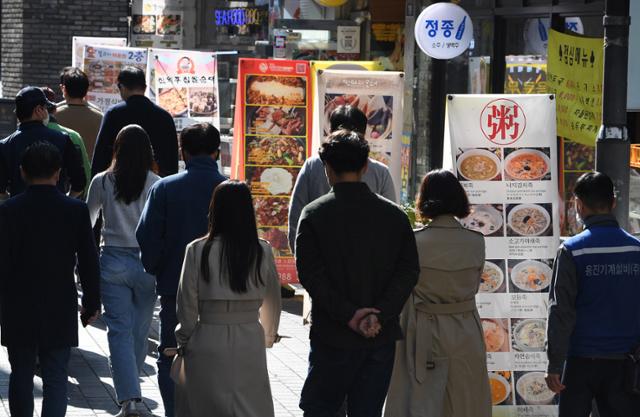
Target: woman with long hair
{"type": "Point", "coordinates": [127, 291]}
{"type": "Point", "coordinates": [440, 367]}
{"type": "Point", "coordinates": [228, 307]}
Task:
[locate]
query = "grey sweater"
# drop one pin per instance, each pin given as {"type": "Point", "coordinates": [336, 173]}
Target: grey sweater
{"type": "Point", "coordinates": [119, 219]}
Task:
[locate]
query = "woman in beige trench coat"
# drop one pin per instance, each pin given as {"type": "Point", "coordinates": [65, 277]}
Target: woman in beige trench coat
{"type": "Point", "coordinates": [440, 367]}
{"type": "Point", "coordinates": [228, 311]}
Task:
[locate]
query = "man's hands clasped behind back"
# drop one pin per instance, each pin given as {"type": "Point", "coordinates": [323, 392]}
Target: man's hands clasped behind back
{"type": "Point", "coordinates": [365, 322]}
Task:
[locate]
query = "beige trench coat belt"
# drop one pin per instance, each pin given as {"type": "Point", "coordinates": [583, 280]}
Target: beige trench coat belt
{"type": "Point", "coordinates": [424, 331]}
{"type": "Point", "coordinates": [229, 317]}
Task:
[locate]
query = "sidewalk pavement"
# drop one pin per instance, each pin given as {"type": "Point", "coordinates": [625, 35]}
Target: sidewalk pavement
{"type": "Point", "coordinates": [90, 385]}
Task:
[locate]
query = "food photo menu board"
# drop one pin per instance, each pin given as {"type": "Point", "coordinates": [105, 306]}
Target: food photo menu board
{"type": "Point", "coordinates": [503, 150]}
{"type": "Point", "coordinates": [272, 138]}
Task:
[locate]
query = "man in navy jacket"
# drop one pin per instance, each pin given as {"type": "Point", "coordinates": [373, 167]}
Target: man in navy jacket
{"type": "Point", "coordinates": [137, 109]}
{"type": "Point", "coordinates": [43, 232]}
{"type": "Point", "coordinates": [176, 213]}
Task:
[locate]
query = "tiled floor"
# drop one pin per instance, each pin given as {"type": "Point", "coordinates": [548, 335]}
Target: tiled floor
{"type": "Point", "coordinates": [91, 388]}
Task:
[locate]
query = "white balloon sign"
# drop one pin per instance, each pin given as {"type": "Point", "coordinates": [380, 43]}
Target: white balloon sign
{"type": "Point", "coordinates": [536, 33]}
{"type": "Point", "coordinates": [444, 30]}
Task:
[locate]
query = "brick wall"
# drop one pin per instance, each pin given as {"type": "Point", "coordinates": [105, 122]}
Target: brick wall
{"type": "Point", "coordinates": [37, 34]}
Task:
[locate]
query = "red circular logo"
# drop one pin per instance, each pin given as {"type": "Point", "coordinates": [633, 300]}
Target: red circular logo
{"type": "Point", "coordinates": [503, 121]}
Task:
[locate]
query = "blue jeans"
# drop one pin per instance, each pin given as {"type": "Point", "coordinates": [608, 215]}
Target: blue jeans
{"type": "Point", "coordinates": [362, 375]}
{"type": "Point", "coordinates": [168, 323]}
{"type": "Point", "coordinates": [129, 296]}
{"type": "Point", "coordinates": [53, 366]}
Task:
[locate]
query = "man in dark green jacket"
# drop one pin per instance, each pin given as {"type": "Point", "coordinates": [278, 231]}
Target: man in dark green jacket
{"type": "Point", "coordinates": [357, 258]}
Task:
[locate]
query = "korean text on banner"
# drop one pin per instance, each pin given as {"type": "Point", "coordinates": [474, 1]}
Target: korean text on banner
{"type": "Point", "coordinates": [379, 94]}
{"type": "Point", "coordinates": [185, 83]}
{"type": "Point", "coordinates": [78, 43]}
{"type": "Point", "coordinates": [272, 137]}
{"type": "Point", "coordinates": [575, 70]}
{"type": "Point", "coordinates": [503, 150]}
{"type": "Point", "coordinates": [102, 65]}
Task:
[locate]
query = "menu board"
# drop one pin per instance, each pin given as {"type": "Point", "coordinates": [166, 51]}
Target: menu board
{"type": "Point", "coordinates": [78, 43]}
{"type": "Point", "coordinates": [157, 23]}
{"type": "Point", "coordinates": [272, 136]}
{"type": "Point", "coordinates": [185, 83]}
{"type": "Point", "coordinates": [380, 96]}
{"type": "Point", "coordinates": [503, 150]}
{"type": "Point", "coordinates": [102, 65]}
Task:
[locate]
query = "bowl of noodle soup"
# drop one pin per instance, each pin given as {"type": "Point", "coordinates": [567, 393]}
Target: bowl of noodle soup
{"type": "Point", "coordinates": [478, 165]}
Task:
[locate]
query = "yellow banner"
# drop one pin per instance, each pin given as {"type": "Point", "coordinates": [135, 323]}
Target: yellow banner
{"type": "Point", "coordinates": [575, 66]}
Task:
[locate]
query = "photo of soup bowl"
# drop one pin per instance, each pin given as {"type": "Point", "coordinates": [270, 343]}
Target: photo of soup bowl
{"type": "Point", "coordinates": [500, 388]}
{"type": "Point", "coordinates": [478, 165]}
{"type": "Point", "coordinates": [533, 390]}
{"type": "Point", "coordinates": [531, 275]}
{"type": "Point", "coordinates": [529, 220]}
{"type": "Point", "coordinates": [527, 165]}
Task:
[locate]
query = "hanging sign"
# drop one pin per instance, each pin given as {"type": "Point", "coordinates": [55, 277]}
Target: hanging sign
{"type": "Point", "coordinates": [444, 30]}
{"type": "Point", "coordinates": [536, 32]}
{"type": "Point", "coordinates": [503, 150]}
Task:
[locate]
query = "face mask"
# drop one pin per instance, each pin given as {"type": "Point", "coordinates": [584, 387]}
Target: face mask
{"type": "Point", "coordinates": [579, 220]}
{"type": "Point", "coordinates": [45, 121]}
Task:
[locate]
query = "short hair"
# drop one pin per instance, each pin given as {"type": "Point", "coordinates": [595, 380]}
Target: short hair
{"type": "Point", "coordinates": [41, 160]}
{"type": "Point", "coordinates": [75, 82]}
{"type": "Point", "coordinates": [595, 190]}
{"type": "Point", "coordinates": [133, 78]}
{"type": "Point", "coordinates": [348, 117]}
{"type": "Point", "coordinates": [200, 139]}
{"type": "Point", "coordinates": [345, 151]}
{"type": "Point", "coordinates": [441, 193]}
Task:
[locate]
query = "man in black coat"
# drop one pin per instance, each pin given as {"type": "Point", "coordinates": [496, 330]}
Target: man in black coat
{"type": "Point", "coordinates": [137, 109]}
{"type": "Point", "coordinates": [43, 233]}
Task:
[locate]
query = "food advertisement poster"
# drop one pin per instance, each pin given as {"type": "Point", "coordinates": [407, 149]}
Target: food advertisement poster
{"type": "Point", "coordinates": [78, 43]}
{"type": "Point", "coordinates": [157, 23]}
{"type": "Point", "coordinates": [103, 64]}
{"type": "Point", "coordinates": [503, 149]}
{"type": "Point", "coordinates": [525, 74]}
{"type": "Point", "coordinates": [272, 137]}
{"type": "Point", "coordinates": [575, 76]}
{"type": "Point", "coordinates": [379, 94]}
{"type": "Point", "coordinates": [186, 85]}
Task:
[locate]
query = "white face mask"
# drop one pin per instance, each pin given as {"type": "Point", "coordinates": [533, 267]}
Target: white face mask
{"type": "Point", "coordinates": [579, 220]}
{"type": "Point", "coordinates": [45, 121]}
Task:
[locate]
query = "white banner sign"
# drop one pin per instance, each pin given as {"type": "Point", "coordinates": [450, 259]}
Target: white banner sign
{"type": "Point", "coordinates": [379, 94]}
{"type": "Point", "coordinates": [503, 150]}
{"type": "Point", "coordinates": [79, 42]}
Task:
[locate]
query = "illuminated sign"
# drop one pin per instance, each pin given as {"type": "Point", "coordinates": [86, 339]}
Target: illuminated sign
{"type": "Point", "coordinates": [242, 16]}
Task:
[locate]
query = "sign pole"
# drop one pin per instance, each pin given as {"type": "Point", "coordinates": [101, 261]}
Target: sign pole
{"type": "Point", "coordinates": [612, 145]}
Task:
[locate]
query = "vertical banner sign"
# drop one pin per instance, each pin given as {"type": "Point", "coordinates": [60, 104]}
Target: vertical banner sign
{"type": "Point", "coordinates": [157, 23]}
{"type": "Point", "coordinates": [186, 85]}
{"type": "Point", "coordinates": [380, 96]}
{"type": "Point", "coordinates": [272, 136]}
{"type": "Point", "coordinates": [102, 65]}
{"type": "Point", "coordinates": [78, 43]}
{"type": "Point", "coordinates": [575, 71]}
{"type": "Point", "coordinates": [503, 150]}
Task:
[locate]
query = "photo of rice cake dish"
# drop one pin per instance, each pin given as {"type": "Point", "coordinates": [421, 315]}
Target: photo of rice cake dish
{"type": "Point", "coordinates": [271, 211]}
{"type": "Point", "coordinates": [382, 157]}
{"type": "Point", "coordinates": [527, 165]}
{"type": "Point", "coordinates": [202, 102]}
{"type": "Point", "coordinates": [144, 24]}
{"type": "Point", "coordinates": [478, 165]}
{"type": "Point", "coordinates": [531, 275]}
{"type": "Point", "coordinates": [270, 120]}
{"type": "Point", "coordinates": [529, 335]}
{"type": "Point", "coordinates": [378, 109]}
{"type": "Point", "coordinates": [492, 278]}
{"type": "Point", "coordinates": [168, 24]}
{"type": "Point", "coordinates": [173, 100]}
{"type": "Point", "coordinates": [529, 220]}
{"type": "Point", "coordinates": [275, 151]}
{"type": "Point", "coordinates": [500, 387]}
{"type": "Point", "coordinates": [271, 89]}
{"type": "Point", "coordinates": [277, 238]}
{"type": "Point", "coordinates": [496, 335]}
{"type": "Point", "coordinates": [484, 218]}
{"type": "Point", "coordinates": [532, 389]}
{"type": "Point", "coordinates": [271, 181]}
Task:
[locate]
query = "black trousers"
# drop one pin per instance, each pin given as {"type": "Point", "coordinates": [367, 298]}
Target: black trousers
{"type": "Point", "coordinates": [362, 375]}
{"type": "Point", "coordinates": [601, 380]}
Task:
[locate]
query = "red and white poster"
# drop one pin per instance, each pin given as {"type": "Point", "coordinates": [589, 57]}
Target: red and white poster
{"type": "Point", "coordinates": [272, 139]}
{"type": "Point", "coordinates": [503, 150]}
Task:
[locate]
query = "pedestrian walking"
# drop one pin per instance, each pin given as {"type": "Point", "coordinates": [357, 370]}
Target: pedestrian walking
{"type": "Point", "coordinates": [228, 311]}
{"type": "Point", "coordinates": [128, 292]}
{"type": "Point", "coordinates": [175, 214]}
{"type": "Point", "coordinates": [137, 109]}
{"type": "Point", "coordinates": [43, 234]}
{"type": "Point", "coordinates": [312, 181]}
{"type": "Point", "coordinates": [32, 111]}
{"type": "Point", "coordinates": [440, 367]}
{"type": "Point", "coordinates": [356, 256]}
{"type": "Point", "coordinates": [75, 112]}
{"type": "Point", "coordinates": [594, 314]}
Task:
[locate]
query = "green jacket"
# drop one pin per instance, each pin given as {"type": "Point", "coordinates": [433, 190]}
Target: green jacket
{"type": "Point", "coordinates": [79, 144]}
